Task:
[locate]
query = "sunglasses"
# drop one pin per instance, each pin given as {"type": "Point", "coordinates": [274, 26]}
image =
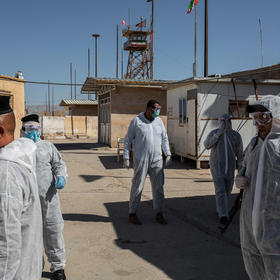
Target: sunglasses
{"type": "Point", "coordinates": [262, 118]}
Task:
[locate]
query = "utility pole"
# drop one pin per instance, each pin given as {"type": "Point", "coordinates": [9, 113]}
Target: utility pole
{"type": "Point", "coordinates": [261, 37]}
{"type": "Point", "coordinates": [71, 79]}
{"type": "Point", "coordinates": [52, 101]}
{"type": "Point", "coordinates": [89, 70]}
{"type": "Point", "coordinates": [117, 62]}
{"type": "Point", "coordinates": [95, 36]}
{"type": "Point", "coordinates": [49, 98]}
{"type": "Point", "coordinates": [206, 40]}
{"type": "Point", "coordinates": [75, 84]}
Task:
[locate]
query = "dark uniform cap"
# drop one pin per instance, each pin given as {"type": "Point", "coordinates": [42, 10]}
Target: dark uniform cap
{"type": "Point", "coordinates": [5, 105]}
{"type": "Point", "coordinates": [256, 108]}
{"type": "Point", "coordinates": [30, 118]}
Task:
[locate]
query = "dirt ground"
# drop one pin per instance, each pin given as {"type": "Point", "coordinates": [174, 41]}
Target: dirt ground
{"type": "Point", "coordinates": [101, 244]}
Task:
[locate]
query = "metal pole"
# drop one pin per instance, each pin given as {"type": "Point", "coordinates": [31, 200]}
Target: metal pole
{"type": "Point", "coordinates": [152, 44]}
{"type": "Point", "coordinates": [49, 101]}
{"type": "Point", "coordinates": [53, 101]}
{"type": "Point", "coordinates": [89, 70]}
{"type": "Point", "coordinates": [260, 23]}
{"type": "Point", "coordinates": [122, 56]}
{"type": "Point", "coordinates": [95, 36]}
{"type": "Point", "coordinates": [206, 40]}
{"type": "Point", "coordinates": [195, 41]}
{"type": "Point", "coordinates": [75, 84]}
{"type": "Point", "coordinates": [88, 62]}
{"type": "Point", "coordinates": [117, 63]}
{"type": "Point", "coordinates": [71, 79]}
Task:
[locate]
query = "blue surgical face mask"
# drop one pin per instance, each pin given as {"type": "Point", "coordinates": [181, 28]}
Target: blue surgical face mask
{"type": "Point", "coordinates": [33, 135]}
{"type": "Point", "coordinates": [156, 113]}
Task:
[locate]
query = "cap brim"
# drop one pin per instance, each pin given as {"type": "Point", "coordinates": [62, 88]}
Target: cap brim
{"type": "Point", "coordinates": [3, 112]}
{"type": "Point", "coordinates": [256, 108]}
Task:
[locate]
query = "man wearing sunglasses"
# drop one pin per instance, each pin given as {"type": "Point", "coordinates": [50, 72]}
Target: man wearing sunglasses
{"type": "Point", "coordinates": [148, 137]}
{"type": "Point", "coordinates": [260, 209]}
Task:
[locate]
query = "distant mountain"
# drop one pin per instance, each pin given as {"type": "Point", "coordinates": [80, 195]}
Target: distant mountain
{"type": "Point", "coordinates": [39, 109]}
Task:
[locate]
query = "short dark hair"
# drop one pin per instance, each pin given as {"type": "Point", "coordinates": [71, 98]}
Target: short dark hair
{"type": "Point", "coordinates": [151, 103]}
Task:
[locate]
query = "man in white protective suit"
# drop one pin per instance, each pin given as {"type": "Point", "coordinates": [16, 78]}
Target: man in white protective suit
{"type": "Point", "coordinates": [226, 149]}
{"type": "Point", "coordinates": [147, 135]}
{"type": "Point", "coordinates": [20, 210]}
{"type": "Point", "coordinates": [51, 175]}
{"type": "Point", "coordinates": [260, 179]}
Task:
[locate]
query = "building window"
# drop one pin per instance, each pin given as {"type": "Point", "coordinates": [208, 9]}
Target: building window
{"type": "Point", "coordinates": [182, 110]}
{"type": "Point", "coordinates": [240, 106]}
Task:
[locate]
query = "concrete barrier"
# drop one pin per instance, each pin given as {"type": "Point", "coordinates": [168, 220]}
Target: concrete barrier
{"type": "Point", "coordinates": [69, 126]}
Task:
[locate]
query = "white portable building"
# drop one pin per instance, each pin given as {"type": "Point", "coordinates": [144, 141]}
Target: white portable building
{"type": "Point", "coordinates": [194, 106]}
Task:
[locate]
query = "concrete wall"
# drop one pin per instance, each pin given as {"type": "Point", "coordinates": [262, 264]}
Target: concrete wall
{"type": "Point", "coordinates": [14, 88]}
{"type": "Point", "coordinates": [52, 126]}
{"type": "Point", "coordinates": [70, 126]}
{"type": "Point", "coordinates": [84, 110]}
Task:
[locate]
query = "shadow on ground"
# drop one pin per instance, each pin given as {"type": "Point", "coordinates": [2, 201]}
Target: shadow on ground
{"type": "Point", "coordinates": [85, 218]}
{"type": "Point", "coordinates": [78, 146]}
{"type": "Point", "coordinates": [111, 162]}
{"type": "Point", "coordinates": [189, 247]}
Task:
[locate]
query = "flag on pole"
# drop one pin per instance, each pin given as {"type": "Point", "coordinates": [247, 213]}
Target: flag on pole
{"type": "Point", "coordinates": [123, 22]}
{"type": "Point", "coordinates": [191, 5]}
{"type": "Point", "coordinates": [141, 24]}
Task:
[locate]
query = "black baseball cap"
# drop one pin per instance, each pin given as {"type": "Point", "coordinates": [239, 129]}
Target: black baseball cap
{"type": "Point", "coordinates": [30, 118]}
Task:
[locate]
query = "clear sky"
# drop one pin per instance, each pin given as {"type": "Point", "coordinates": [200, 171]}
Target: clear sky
{"type": "Point", "coordinates": [41, 38]}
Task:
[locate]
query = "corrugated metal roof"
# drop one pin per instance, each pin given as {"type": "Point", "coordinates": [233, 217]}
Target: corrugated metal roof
{"type": "Point", "coordinates": [95, 84]}
{"type": "Point", "coordinates": [67, 102]}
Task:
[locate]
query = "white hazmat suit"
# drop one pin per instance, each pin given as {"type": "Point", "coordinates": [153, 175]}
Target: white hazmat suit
{"type": "Point", "coordinates": [260, 210]}
{"type": "Point", "coordinates": [49, 165]}
{"type": "Point", "coordinates": [20, 213]}
{"type": "Point", "coordinates": [149, 139]}
{"type": "Point", "coordinates": [226, 147]}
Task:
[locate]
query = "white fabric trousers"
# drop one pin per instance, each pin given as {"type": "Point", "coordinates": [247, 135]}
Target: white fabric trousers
{"type": "Point", "coordinates": [155, 170]}
{"type": "Point", "coordinates": [52, 232]}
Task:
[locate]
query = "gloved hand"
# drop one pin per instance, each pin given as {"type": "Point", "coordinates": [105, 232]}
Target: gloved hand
{"type": "Point", "coordinates": [60, 182]}
{"type": "Point", "coordinates": [241, 182]}
{"type": "Point", "coordinates": [126, 163]}
{"type": "Point", "coordinates": [168, 161]}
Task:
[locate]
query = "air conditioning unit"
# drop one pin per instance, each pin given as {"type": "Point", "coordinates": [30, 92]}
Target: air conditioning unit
{"type": "Point", "coordinates": [19, 75]}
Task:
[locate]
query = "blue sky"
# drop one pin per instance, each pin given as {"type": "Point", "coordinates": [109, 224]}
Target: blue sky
{"type": "Point", "coordinates": [41, 38]}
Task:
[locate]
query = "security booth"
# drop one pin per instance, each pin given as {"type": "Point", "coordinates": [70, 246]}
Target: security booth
{"type": "Point", "coordinates": [194, 106]}
{"type": "Point", "coordinates": [119, 101]}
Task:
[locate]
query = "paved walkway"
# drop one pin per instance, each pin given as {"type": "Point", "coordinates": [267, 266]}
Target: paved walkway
{"type": "Point", "coordinates": [101, 244]}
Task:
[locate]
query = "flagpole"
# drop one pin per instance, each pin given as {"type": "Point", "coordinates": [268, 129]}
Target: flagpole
{"type": "Point", "coordinates": [195, 42]}
{"type": "Point", "coordinates": [206, 40]}
{"type": "Point", "coordinates": [152, 44]}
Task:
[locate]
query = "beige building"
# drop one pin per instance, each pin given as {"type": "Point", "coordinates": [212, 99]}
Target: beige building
{"type": "Point", "coordinates": [119, 101]}
{"type": "Point", "coordinates": [14, 87]}
{"type": "Point", "coordinates": [80, 107]}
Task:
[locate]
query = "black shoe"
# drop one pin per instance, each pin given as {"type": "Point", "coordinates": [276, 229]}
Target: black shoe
{"type": "Point", "coordinates": [134, 219]}
{"type": "Point", "coordinates": [223, 220]}
{"type": "Point", "coordinates": [160, 219]}
{"type": "Point", "coordinates": [59, 275]}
